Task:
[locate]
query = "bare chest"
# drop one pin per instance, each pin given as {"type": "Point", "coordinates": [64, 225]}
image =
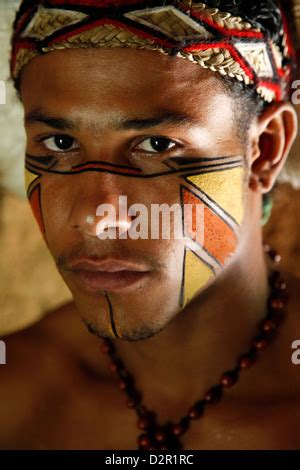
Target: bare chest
{"type": "Point", "coordinates": [106, 424]}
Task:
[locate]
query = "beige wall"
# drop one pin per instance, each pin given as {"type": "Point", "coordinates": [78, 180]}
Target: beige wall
{"type": "Point", "coordinates": [30, 283]}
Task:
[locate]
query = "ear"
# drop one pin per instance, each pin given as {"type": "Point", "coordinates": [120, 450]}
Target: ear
{"type": "Point", "coordinates": [271, 137]}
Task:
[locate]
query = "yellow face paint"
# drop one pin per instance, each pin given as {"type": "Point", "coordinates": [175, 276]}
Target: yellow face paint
{"type": "Point", "coordinates": [29, 178]}
{"type": "Point", "coordinates": [197, 274]}
{"type": "Point", "coordinates": [225, 188]}
{"type": "Point", "coordinates": [220, 193]}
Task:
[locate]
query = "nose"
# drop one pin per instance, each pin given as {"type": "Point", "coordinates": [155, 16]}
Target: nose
{"type": "Point", "coordinates": [100, 209]}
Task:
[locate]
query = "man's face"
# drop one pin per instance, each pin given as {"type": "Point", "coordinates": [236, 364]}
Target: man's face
{"type": "Point", "coordinates": [90, 141]}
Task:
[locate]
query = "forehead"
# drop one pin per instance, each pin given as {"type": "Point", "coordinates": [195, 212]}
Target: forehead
{"type": "Point", "coordinates": [124, 81]}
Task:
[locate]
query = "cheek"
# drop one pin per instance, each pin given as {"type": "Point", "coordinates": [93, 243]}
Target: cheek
{"type": "Point", "coordinates": [212, 243]}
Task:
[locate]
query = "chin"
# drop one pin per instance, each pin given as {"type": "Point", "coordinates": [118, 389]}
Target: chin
{"type": "Point", "coordinates": [130, 317]}
{"type": "Point", "coordinates": [108, 320]}
{"type": "Point", "coordinates": [138, 334]}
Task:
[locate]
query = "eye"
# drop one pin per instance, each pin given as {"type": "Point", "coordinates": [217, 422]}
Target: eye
{"type": "Point", "coordinates": [156, 143]}
{"type": "Point", "coordinates": [60, 143]}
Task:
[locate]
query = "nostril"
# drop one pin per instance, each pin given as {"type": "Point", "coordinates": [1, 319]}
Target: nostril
{"type": "Point", "coordinates": [85, 224]}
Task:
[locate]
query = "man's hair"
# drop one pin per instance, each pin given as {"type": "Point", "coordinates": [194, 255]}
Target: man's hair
{"type": "Point", "coordinates": [266, 15]}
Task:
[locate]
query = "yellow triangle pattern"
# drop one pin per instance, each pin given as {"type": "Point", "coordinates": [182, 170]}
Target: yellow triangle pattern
{"type": "Point", "coordinates": [196, 275]}
{"type": "Point", "coordinates": [225, 188]}
{"type": "Point", "coordinates": [29, 178]}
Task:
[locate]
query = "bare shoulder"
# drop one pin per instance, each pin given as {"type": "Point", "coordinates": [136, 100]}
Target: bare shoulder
{"type": "Point", "coordinates": [33, 353]}
{"type": "Point", "coordinates": [60, 337]}
{"type": "Point", "coordinates": [26, 344]}
{"type": "Point", "coordinates": [42, 363]}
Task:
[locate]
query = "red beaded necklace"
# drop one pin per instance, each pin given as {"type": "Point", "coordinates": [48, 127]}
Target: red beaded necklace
{"type": "Point", "coordinates": [166, 437]}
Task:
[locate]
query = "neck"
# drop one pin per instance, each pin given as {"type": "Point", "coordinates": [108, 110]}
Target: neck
{"type": "Point", "coordinates": [190, 354]}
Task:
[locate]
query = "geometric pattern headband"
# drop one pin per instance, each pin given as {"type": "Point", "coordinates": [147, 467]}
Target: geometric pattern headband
{"type": "Point", "coordinates": [214, 39]}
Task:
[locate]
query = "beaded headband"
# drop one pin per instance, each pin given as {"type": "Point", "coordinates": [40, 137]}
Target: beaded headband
{"type": "Point", "coordinates": [215, 40]}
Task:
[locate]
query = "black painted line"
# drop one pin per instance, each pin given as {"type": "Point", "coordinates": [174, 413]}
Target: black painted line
{"type": "Point", "coordinates": [112, 321]}
{"type": "Point", "coordinates": [214, 203]}
{"type": "Point", "coordinates": [181, 171]}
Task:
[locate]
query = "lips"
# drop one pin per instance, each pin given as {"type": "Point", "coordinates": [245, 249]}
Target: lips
{"type": "Point", "coordinates": [107, 274]}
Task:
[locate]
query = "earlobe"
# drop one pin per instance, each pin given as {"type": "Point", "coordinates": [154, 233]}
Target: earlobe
{"type": "Point", "coordinates": [274, 134]}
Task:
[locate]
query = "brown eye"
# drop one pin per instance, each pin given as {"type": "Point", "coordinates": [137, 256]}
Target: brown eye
{"type": "Point", "coordinates": [60, 143]}
{"type": "Point", "coordinates": [156, 144]}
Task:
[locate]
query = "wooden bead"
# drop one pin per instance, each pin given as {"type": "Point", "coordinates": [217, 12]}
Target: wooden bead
{"type": "Point", "coordinates": [277, 304]}
{"type": "Point", "coordinates": [122, 384]}
{"type": "Point", "coordinates": [274, 256]}
{"type": "Point", "coordinates": [194, 413]}
{"type": "Point", "coordinates": [269, 326]}
{"type": "Point", "coordinates": [197, 410]}
{"type": "Point", "coordinates": [214, 394]}
{"type": "Point", "coordinates": [160, 436]}
{"type": "Point", "coordinates": [143, 423]}
{"type": "Point", "coordinates": [247, 360]}
{"type": "Point", "coordinates": [113, 367]}
{"type": "Point", "coordinates": [177, 430]}
{"type": "Point", "coordinates": [229, 379]}
{"type": "Point", "coordinates": [280, 285]}
{"type": "Point", "coordinates": [144, 440]}
{"type": "Point", "coordinates": [131, 402]}
{"type": "Point", "coordinates": [260, 343]}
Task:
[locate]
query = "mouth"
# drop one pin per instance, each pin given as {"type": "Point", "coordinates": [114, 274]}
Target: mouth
{"type": "Point", "coordinates": [107, 274]}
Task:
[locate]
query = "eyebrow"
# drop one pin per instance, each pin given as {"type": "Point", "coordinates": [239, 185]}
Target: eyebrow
{"type": "Point", "coordinates": [166, 117]}
{"type": "Point", "coordinates": [39, 116]}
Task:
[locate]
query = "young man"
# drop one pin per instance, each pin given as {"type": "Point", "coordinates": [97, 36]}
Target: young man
{"type": "Point", "coordinates": [175, 103]}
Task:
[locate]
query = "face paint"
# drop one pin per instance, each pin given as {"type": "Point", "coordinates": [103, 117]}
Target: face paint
{"type": "Point", "coordinates": [219, 190]}
{"type": "Point", "coordinates": [113, 329]}
{"type": "Point", "coordinates": [216, 184]}
{"type": "Point", "coordinates": [33, 177]}
{"type": "Point", "coordinates": [34, 169]}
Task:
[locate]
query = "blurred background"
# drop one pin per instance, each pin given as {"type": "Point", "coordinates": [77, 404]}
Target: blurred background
{"type": "Point", "coordinates": [30, 285]}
